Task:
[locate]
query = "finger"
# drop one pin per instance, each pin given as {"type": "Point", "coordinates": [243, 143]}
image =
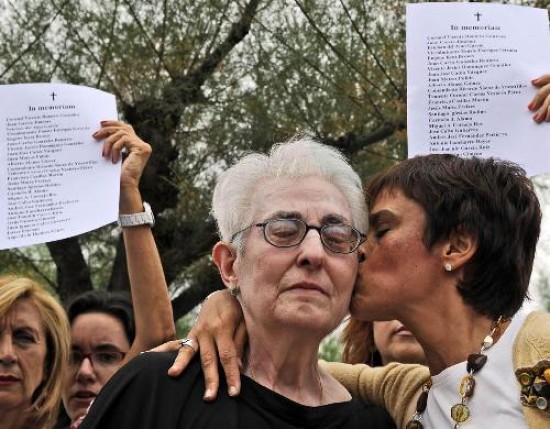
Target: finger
{"type": "Point", "coordinates": [113, 145]}
{"type": "Point", "coordinates": [539, 98]}
{"type": "Point", "coordinates": [116, 124]}
{"type": "Point", "coordinates": [110, 128]}
{"type": "Point", "coordinates": [230, 359]}
{"type": "Point", "coordinates": [541, 81]}
{"type": "Point", "coordinates": [170, 346]}
{"type": "Point", "coordinates": [209, 362]}
{"type": "Point", "coordinates": [543, 113]}
{"type": "Point", "coordinates": [185, 355]}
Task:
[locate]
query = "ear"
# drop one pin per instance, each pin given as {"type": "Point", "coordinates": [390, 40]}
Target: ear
{"type": "Point", "coordinates": [224, 256]}
{"type": "Point", "coordinates": [459, 248]}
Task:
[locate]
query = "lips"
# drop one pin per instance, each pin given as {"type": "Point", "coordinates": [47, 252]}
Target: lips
{"type": "Point", "coordinates": [308, 286]}
{"type": "Point", "coordinates": [402, 331]}
{"type": "Point", "coordinates": [8, 378]}
{"type": "Point", "coordinates": [84, 395]}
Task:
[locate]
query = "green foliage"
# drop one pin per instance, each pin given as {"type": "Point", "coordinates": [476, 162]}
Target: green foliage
{"type": "Point", "coordinates": [184, 324]}
{"type": "Point", "coordinates": [330, 349]}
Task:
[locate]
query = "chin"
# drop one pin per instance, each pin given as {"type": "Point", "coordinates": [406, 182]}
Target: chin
{"type": "Point", "coordinates": [359, 308]}
{"type": "Point", "coordinates": [314, 321]}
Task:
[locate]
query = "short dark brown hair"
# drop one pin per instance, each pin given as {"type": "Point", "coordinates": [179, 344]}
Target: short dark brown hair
{"type": "Point", "coordinates": [117, 304]}
{"type": "Point", "coordinates": [493, 200]}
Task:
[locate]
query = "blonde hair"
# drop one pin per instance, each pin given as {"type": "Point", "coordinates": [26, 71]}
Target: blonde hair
{"type": "Point", "coordinates": [47, 397]}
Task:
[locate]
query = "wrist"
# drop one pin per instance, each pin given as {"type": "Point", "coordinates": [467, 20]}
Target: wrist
{"type": "Point", "coordinates": [142, 216]}
{"type": "Point", "coordinates": [130, 200]}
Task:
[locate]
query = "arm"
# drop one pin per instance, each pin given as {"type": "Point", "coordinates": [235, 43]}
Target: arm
{"type": "Point", "coordinates": [540, 104]}
{"type": "Point", "coordinates": [394, 386]}
{"type": "Point", "coordinates": [148, 285]}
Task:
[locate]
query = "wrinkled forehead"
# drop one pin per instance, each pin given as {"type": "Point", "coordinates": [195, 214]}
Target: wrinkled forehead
{"type": "Point", "coordinates": [310, 198]}
{"type": "Point", "coordinates": [22, 313]}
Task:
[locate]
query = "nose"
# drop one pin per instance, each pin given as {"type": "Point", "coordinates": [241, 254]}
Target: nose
{"type": "Point", "coordinates": [85, 372]}
{"type": "Point", "coordinates": [7, 352]}
{"type": "Point", "coordinates": [312, 250]}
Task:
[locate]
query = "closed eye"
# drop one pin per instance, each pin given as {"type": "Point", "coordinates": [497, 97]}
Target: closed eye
{"type": "Point", "coordinates": [380, 233]}
{"type": "Point", "coordinates": [24, 336]}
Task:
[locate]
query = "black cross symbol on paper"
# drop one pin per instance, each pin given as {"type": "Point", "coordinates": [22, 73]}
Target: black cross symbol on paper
{"type": "Point", "coordinates": [53, 94]}
{"type": "Point", "coordinates": [477, 15]}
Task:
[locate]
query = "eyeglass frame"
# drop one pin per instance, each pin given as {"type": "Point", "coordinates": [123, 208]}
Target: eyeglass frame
{"type": "Point", "coordinates": [90, 356]}
{"type": "Point", "coordinates": [319, 229]}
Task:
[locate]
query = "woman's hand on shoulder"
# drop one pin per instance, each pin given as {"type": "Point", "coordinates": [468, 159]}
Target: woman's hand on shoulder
{"type": "Point", "coordinates": [219, 333]}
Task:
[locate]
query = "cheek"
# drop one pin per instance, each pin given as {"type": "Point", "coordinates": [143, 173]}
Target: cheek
{"type": "Point", "coordinates": [36, 367]}
{"type": "Point", "coordinates": [105, 376]}
{"type": "Point", "coordinates": [388, 256]}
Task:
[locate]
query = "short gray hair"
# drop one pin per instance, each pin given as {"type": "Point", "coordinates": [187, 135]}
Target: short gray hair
{"type": "Point", "coordinates": [232, 205]}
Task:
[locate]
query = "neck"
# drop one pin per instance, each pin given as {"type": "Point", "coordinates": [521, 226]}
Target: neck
{"type": "Point", "coordinates": [450, 335]}
{"type": "Point", "coordinates": [14, 419]}
{"type": "Point", "coordinates": [289, 369]}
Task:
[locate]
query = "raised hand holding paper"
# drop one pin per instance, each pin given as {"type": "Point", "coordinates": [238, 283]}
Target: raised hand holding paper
{"type": "Point", "coordinates": [54, 183]}
{"type": "Point", "coordinates": [469, 68]}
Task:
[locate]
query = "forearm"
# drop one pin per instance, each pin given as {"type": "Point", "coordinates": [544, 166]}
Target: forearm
{"type": "Point", "coordinates": [152, 307]}
{"type": "Point", "coordinates": [395, 386]}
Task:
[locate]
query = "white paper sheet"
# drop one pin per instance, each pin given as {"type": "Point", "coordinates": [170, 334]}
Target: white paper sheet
{"type": "Point", "coordinates": [469, 67]}
{"type": "Point", "coordinates": [54, 183]}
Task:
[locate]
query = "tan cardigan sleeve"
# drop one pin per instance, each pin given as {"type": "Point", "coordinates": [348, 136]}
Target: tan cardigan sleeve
{"type": "Point", "coordinates": [394, 386]}
{"type": "Point", "coordinates": [532, 345]}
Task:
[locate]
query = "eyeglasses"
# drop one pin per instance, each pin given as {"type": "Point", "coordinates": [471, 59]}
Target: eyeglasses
{"type": "Point", "coordinates": [102, 359]}
{"type": "Point", "coordinates": [338, 237]}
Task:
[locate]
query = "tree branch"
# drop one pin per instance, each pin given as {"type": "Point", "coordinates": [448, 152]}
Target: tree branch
{"type": "Point", "coordinates": [353, 142]}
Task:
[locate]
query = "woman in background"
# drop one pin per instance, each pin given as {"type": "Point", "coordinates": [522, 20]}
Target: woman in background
{"type": "Point", "coordinates": [34, 353]}
{"type": "Point", "coordinates": [380, 343]}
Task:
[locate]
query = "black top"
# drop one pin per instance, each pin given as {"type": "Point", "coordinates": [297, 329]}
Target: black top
{"type": "Point", "coordinates": [141, 395]}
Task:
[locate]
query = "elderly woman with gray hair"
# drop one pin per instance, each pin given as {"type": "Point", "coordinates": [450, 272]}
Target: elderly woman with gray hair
{"type": "Point", "coordinates": [290, 224]}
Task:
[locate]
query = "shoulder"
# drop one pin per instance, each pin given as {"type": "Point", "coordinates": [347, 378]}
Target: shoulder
{"type": "Point", "coordinates": [144, 366]}
{"type": "Point", "coordinates": [537, 322]}
{"type": "Point", "coordinates": [143, 386]}
{"type": "Point", "coordinates": [533, 339]}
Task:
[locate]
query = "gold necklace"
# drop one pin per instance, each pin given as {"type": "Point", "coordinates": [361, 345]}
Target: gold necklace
{"type": "Point", "coordinates": [460, 412]}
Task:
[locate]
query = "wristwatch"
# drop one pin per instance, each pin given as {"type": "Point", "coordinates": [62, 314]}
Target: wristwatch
{"type": "Point", "coordinates": [135, 219]}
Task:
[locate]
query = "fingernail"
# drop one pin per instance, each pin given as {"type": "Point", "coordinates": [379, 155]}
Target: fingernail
{"type": "Point", "coordinates": [530, 106]}
{"type": "Point", "coordinates": [207, 395]}
{"type": "Point", "coordinates": [232, 391]}
{"type": "Point", "coordinates": [103, 122]}
{"type": "Point", "coordinates": [95, 134]}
